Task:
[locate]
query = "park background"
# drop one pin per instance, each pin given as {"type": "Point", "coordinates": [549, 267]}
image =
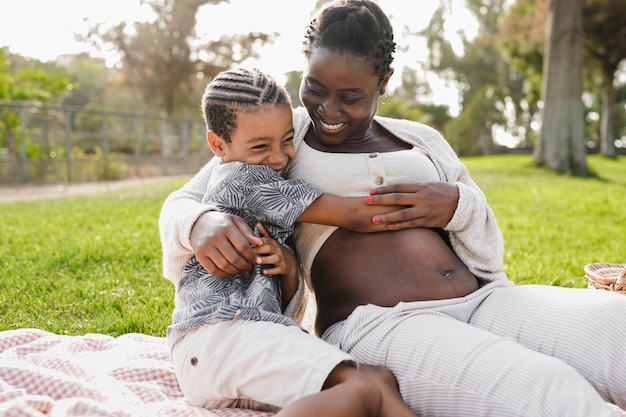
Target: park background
{"type": "Point", "coordinates": [124, 104]}
{"type": "Point", "coordinates": [110, 90]}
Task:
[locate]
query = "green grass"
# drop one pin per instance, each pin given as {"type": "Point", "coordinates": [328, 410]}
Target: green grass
{"type": "Point", "coordinates": [553, 225]}
{"type": "Point", "coordinates": [93, 264]}
{"type": "Point", "coordinates": [85, 264]}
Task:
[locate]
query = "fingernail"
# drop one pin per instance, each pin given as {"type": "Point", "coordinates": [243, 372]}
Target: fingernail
{"type": "Point", "coordinates": [376, 219]}
{"type": "Point", "coordinates": [372, 192]}
{"type": "Point", "coordinates": [391, 226]}
{"type": "Point", "coordinates": [369, 200]}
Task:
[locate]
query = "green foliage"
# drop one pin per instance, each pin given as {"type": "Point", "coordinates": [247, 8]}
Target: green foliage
{"type": "Point", "coordinates": [292, 85]}
{"type": "Point", "coordinates": [31, 81]}
{"type": "Point", "coordinates": [433, 115]}
{"type": "Point", "coordinates": [93, 264]}
{"type": "Point", "coordinates": [471, 130]}
{"type": "Point", "coordinates": [36, 81]}
{"type": "Point", "coordinates": [398, 109]}
{"type": "Point", "coordinates": [492, 92]}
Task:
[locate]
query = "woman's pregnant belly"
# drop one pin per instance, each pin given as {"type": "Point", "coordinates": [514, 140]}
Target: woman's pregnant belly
{"type": "Point", "coordinates": [385, 268]}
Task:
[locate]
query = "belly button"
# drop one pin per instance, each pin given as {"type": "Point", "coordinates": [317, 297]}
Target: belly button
{"type": "Point", "coordinates": [447, 274]}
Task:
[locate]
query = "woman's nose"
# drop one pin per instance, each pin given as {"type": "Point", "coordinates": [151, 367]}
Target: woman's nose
{"type": "Point", "coordinates": [328, 107]}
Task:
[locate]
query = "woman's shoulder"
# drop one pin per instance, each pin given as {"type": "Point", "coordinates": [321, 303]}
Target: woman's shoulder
{"type": "Point", "coordinates": [301, 123]}
{"type": "Point", "coordinates": [301, 119]}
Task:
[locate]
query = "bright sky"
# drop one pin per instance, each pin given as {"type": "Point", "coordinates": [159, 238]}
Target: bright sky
{"type": "Point", "coordinates": [44, 29]}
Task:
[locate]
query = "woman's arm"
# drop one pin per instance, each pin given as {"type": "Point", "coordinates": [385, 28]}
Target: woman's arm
{"type": "Point", "coordinates": [188, 227]}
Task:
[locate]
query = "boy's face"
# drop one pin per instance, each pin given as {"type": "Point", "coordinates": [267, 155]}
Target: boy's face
{"type": "Point", "coordinates": [262, 137]}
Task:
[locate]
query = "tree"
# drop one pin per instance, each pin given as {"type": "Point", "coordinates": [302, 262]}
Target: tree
{"type": "Point", "coordinates": [521, 42]}
{"type": "Point", "coordinates": [561, 144]}
{"type": "Point", "coordinates": [604, 46]}
{"type": "Point", "coordinates": [604, 41]}
{"type": "Point", "coordinates": [491, 92]}
{"type": "Point", "coordinates": [163, 60]}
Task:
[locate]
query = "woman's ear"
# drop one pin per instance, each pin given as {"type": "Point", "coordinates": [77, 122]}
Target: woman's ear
{"type": "Point", "coordinates": [383, 85]}
{"type": "Point", "coordinates": [216, 143]}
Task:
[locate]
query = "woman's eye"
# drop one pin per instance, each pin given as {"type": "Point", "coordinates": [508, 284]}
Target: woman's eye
{"type": "Point", "coordinates": [314, 90]}
{"type": "Point", "coordinates": [351, 99]}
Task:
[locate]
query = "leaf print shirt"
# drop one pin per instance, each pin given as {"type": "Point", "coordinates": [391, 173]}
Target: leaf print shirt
{"type": "Point", "coordinates": [255, 193]}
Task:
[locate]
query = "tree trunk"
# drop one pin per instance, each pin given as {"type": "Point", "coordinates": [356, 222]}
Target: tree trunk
{"type": "Point", "coordinates": [607, 140]}
{"type": "Point", "coordinates": [561, 145]}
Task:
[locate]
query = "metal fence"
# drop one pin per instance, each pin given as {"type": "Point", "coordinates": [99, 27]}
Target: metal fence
{"type": "Point", "coordinates": [52, 144]}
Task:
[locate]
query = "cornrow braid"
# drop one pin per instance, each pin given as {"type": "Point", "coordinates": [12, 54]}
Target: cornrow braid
{"type": "Point", "coordinates": [359, 27]}
{"type": "Point", "coordinates": [235, 91]}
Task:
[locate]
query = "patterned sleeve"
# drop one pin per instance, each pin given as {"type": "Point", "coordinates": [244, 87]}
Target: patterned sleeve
{"type": "Point", "coordinates": [267, 196]}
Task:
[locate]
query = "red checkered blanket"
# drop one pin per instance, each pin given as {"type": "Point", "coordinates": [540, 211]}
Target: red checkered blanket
{"type": "Point", "coordinates": [45, 374]}
{"type": "Point", "coordinates": [95, 375]}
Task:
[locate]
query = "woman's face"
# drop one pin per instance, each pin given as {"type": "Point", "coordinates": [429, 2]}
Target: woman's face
{"type": "Point", "coordinates": [340, 92]}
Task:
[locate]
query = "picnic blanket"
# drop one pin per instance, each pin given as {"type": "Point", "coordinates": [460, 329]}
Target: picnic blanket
{"type": "Point", "coordinates": [46, 374]}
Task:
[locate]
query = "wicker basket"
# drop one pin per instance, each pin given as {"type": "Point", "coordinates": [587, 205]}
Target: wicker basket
{"type": "Point", "coordinates": [610, 277]}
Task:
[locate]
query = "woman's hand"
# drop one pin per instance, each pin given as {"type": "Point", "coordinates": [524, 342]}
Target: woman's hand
{"type": "Point", "coordinates": [430, 204]}
{"type": "Point", "coordinates": [222, 243]}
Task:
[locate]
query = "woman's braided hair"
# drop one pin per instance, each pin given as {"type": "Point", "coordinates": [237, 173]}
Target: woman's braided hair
{"type": "Point", "coordinates": [359, 27]}
{"type": "Point", "coordinates": [238, 90]}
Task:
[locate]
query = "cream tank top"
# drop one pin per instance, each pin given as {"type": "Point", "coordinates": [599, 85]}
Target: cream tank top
{"type": "Point", "coordinates": [351, 175]}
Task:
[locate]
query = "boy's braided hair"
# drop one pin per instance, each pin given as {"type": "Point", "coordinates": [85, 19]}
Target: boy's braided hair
{"type": "Point", "coordinates": [359, 27]}
{"type": "Point", "coordinates": [238, 90]}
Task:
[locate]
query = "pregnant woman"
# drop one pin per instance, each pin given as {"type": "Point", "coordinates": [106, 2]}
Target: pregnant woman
{"type": "Point", "coordinates": [427, 299]}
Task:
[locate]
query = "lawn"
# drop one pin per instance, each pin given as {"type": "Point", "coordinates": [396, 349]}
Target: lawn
{"type": "Point", "coordinates": [93, 264]}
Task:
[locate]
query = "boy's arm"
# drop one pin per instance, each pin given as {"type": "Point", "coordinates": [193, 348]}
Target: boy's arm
{"type": "Point", "coordinates": [348, 212]}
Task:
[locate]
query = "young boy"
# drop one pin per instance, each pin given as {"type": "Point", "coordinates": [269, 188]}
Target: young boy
{"type": "Point", "coordinates": [231, 344]}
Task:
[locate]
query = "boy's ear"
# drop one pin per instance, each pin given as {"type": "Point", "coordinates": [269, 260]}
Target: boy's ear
{"type": "Point", "coordinates": [216, 143]}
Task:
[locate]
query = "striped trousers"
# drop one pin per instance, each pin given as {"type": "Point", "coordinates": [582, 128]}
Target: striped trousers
{"type": "Point", "coordinates": [527, 350]}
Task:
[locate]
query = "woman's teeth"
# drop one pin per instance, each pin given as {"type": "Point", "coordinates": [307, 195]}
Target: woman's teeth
{"type": "Point", "coordinates": [331, 127]}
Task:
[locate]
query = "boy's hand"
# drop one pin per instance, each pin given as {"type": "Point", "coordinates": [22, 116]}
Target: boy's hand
{"type": "Point", "coordinates": [272, 256]}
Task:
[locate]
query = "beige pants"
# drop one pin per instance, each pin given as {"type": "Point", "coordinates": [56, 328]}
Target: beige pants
{"type": "Point", "coordinates": [529, 350]}
{"type": "Point", "coordinates": [252, 364]}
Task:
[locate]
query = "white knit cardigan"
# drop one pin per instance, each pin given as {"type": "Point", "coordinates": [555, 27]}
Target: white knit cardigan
{"type": "Point", "coordinates": [473, 229]}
